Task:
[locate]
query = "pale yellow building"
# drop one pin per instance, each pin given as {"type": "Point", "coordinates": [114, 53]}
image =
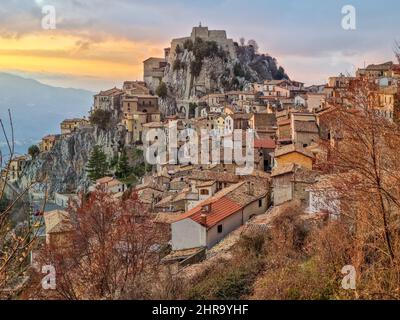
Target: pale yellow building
{"type": "Point", "coordinates": [68, 126]}
{"type": "Point", "coordinates": [17, 165]}
{"type": "Point", "coordinates": [293, 154]}
{"type": "Point", "coordinates": [48, 143]}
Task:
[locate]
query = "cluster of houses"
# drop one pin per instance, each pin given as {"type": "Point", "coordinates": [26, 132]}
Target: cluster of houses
{"type": "Point", "coordinates": [203, 203]}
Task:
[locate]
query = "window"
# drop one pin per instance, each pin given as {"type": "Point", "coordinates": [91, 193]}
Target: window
{"type": "Point", "coordinates": [220, 228]}
{"type": "Point", "coordinates": [260, 203]}
{"type": "Point", "coordinates": [204, 192]}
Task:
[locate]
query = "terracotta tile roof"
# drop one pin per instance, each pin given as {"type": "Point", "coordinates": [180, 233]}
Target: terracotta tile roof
{"type": "Point", "coordinates": [208, 175]}
{"type": "Point", "coordinates": [111, 92]}
{"type": "Point", "coordinates": [278, 171]}
{"type": "Point", "coordinates": [306, 126]}
{"type": "Point", "coordinates": [265, 143]}
{"type": "Point", "coordinates": [206, 184]}
{"type": "Point", "coordinates": [283, 122]}
{"type": "Point", "coordinates": [245, 116]}
{"type": "Point", "coordinates": [104, 180]}
{"type": "Point", "coordinates": [219, 210]}
{"type": "Point", "coordinates": [165, 202]}
{"type": "Point", "coordinates": [383, 66]}
{"type": "Point", "coordinates": [227, 202]}
{"type": "Point", "coordinates": [50, 137]}
{"type": "Point", "coordinates": [292, 148]}
{"type": "Point", "coordinates": [262, 120]}
{"type": "Point", "coordinates": [149, 185]}
{"type": "Point", "coordinates": [57, 221]}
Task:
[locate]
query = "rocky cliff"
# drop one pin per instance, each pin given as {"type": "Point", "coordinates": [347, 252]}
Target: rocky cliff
{"type": "Point", "coordinates": [203, 67]}
{"type": "Point", "coordinates": [65, 164]}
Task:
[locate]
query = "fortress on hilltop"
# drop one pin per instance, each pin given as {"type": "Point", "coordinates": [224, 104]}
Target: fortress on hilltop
{"type": "Point", "coordinates": [219, 36]}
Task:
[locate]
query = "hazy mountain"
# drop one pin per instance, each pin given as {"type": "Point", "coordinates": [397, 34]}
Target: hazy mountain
{"type": "Point", "coordinates": [37, 108]}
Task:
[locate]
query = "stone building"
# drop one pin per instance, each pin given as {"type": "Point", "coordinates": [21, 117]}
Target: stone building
{"type": "Point", "coordinates": [48, 142]}
{"type": "Point", "coordinates": [291, 182]}
{"type": "Point", "coordinates": [154, 72]}
{"type": "Point", "coordinates": [215, 218]}
{"type": "Point", "coordinates": [109, 100]}
{"type": "Point", "coordinates": [70, 125]}
{"type": "Point", "coordinates": [139, 110]}
{"type": "Point", "coordinates": [219, 36]}
{"type": "Point", "coordinates": [17, 165]}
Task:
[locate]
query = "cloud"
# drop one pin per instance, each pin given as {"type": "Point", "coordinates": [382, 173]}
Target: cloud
{"type": "Point", "coordinates": [120, 34]}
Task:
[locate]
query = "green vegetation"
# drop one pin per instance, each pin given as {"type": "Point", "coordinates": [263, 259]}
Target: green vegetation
{"type": "Point", "coordinates": [101, 118]}
{"type": "Point", "coordinates": [178, 49]}
{"type": "Point", "coordinates": [114, 162]}
{"type": "Point", "coordinates": [238, 70]}
{"type": "Point", "coordinates": [280, 74]}
{"type": "Point", "coordinates": [128, 169]}
{"type": "Point", "coordinates": [123, 169]}
{"type": "Point", "coordinates": [188, 45]}
{"type": "Point", "coordinates": [231, 279]}
{"type": "Point", "coordinates": [178, 65]}
{"type": "Point", "coordinates": [4, 203]}
{"type": "Point", "coordinates": [201, 50]}
{"type": "Point", "coordinates": [33, 151]}
{"type": "Point", "coordinates": [195, 67]}
{"type": "Point", "coordinates": [162, 90]}
{"type": "Point", "coordinates": [97, 166]}
{"type": "Point", "coordinates": [192, 109]}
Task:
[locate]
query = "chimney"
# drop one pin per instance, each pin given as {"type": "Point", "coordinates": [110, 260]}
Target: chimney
{"type": "Point", "coordinates": [205, 210]}
{"type": "Point", "coordinates": [250, 188]}
{"type": "Point", "coordinates": [203, 219]}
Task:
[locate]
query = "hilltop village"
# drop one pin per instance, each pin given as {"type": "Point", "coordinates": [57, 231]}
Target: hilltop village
{"type": "Point", "coordinates": [201, 205]}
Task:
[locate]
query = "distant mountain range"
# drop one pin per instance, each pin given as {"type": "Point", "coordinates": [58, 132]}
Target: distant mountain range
{"type": "Point", "coordinates": [37, 108]}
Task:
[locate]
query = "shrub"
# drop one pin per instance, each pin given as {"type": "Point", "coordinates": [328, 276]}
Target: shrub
{"type": "Point", "coordinates": [33, 151]}
{"type": "Point", "coordinates": [101, 118]}
{"type": "Point", "coordinates": [227, 281]}
{"type": "Point", "coordinates": [188, 45]}
{"type": "Point", "coordinates": [162, 90]}
{"type": "Point", "coordinates": [178, 65]}
{"type": "Point", "coordinates": [195, 67]}
{"type": "Point", "coordinates": [280, 74]}
{"type": "Point", "coordinates": [178, 49]}
{"type": "Point", "coordinates": [238, 70]}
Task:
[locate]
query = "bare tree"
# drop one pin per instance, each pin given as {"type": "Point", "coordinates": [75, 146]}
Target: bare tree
{"type": "Point", "coordinates": [110, 252]}
{"type": "Point", "coordinates": [365, 174]}
{"type": "Point", "coordinates": [242, 42]}
{"type": "Point", "coordinates": [16, 242]}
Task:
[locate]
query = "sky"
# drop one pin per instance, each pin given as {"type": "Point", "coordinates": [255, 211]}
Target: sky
{"type": "Point", "coordinates": [100, 43]}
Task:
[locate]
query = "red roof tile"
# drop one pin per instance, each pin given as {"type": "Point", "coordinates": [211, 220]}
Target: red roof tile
{"type": "Point", "coordinates": [265, 143]}
{"type": "Point", "coordinates": [220, 209]}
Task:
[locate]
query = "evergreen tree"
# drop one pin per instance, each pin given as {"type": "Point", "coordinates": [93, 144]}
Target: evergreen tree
{"type": "Point", "coordinates": [114, 161]}
{"type": "Point", "coordinates": [162, 90]}
{"type": "Point", "coordinates": [123, 168]}
{"type": "Point", "coordinates": [97, 166]}
{"type": "Point", "coordinates": [33, 151]}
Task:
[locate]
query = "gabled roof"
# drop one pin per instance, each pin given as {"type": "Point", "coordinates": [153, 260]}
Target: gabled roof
{"type": "Point", "coordinates": [266, 143]}
{"type": "Point", "coordinates": [110, 92]}
{"type": "Point", "coordinates": [219, 210]}
{"type": "Point", "coordinates": [57, 221]}
{"type": "Point", "coordinates": [306, 126]}
{"type": "Point", "coordinates": [292, 148]}
{"type": "Point", "coordinates": [208, 175]}
{"type": "Point", "coordinates": [281, 170]}
{"type": "Point", "coordinates": [227, 202]}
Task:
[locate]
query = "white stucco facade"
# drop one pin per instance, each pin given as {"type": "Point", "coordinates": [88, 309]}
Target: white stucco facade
{"type": "Point", "coordinates": [187, 234]}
